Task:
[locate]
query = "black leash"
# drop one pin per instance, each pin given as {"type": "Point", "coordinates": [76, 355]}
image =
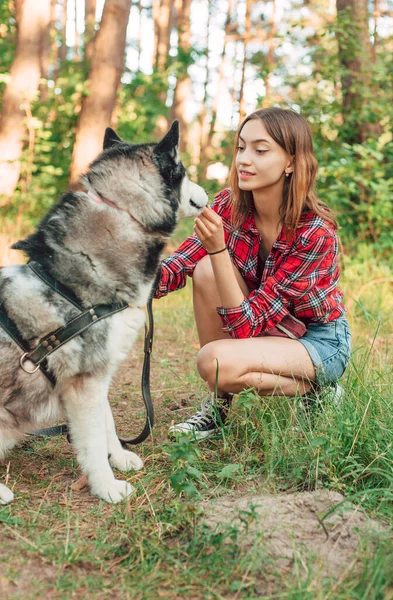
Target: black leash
{"type": "Point", "coordinates": [148, 346]}
{"type": "Point", "coordinates": [149, 331]}
{"type": "Point", "coordinates": [54, 340]}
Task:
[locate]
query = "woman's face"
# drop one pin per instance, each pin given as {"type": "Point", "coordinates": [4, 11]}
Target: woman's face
{"type": "Point", "coordinates": [260, 162]}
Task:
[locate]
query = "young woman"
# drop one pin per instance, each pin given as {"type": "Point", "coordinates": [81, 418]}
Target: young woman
{"type": "Point", "coordinates": [263, 259]}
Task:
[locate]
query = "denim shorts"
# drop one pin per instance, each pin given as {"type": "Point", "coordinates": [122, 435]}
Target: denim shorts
{"type": "Point", "coordinates": [329, 346]}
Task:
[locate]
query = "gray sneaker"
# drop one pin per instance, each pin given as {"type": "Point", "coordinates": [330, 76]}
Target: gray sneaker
{"type": "Point", "coordinates": [317, 399]}
{"type": "Point", "coordinates": [207, 421]}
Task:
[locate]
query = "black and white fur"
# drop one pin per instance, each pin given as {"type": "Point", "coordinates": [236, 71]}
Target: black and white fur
{"type": "Point", "coordinates": [104, 254]}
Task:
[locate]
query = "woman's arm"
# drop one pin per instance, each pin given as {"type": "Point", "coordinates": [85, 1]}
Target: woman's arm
{"type": "Point", "coordinates": [176, 268]}
{"type": "Point", "coordinates": [210, 231]}
{"type": "Point", "coordinates": [310, 270]}
{"type": "Point", "coordinates": [308, 279]}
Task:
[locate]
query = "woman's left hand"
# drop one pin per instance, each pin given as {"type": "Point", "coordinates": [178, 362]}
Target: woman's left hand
{"type": "Point", "coordinates": [209, 229]}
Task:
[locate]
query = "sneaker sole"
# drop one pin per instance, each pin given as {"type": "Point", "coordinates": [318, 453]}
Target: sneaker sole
{"type": "Point", "coordinates": [174, 433]}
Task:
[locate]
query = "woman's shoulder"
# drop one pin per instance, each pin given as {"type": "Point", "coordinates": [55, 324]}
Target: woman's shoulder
{"type": "Point", "coordinates": [312, 225]}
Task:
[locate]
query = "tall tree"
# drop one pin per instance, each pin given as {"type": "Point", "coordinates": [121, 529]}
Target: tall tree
{"type": "Point", "coordinates": [183, 84]}
{"type": "Point", "coordinates": [139, 42]}
{"type": "Point", "coordinates": [246, 41]}
{"type": "Point", "coordinates": [163, 22]}
{"type": "Point", "coordinates": [270, 61]}
{"type": "Point", "coordinates": [90, 21]}
{"type": "Point", "coordinates": [63, 46]}
{"type": "Point", "coordinates": [45, 51]}
{"type": "Point", "coordinates": [356, 57]}
{"type": "Point", "coordinates": [76, 34]}
{"type": "Point", "coordinates": [104, 77]}
{"type": "Point", "coordinates": [32, 21]}
{"type": "Point", "coordinates": [207, 153]}
{"type": "Point", "coordinates": [202, 116]}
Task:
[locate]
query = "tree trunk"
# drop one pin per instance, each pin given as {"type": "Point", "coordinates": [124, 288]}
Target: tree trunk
{"type": "Point", "coordinates": [32, 20]}
{"type": "Point", "coordinates": [107, 67]}
{"type": "Point", "coordinates": [54, 50]}
{"type": "Point", "coordinates": [208, 148]}
{"type": "Point", "coordinates": [90, 21]}
{"type": "Point", "coordinates": [139, 43]}
{"type": "Point", "coordinates": [270, 56]}
{"type": "Point", "coordinates": [45, 52]}
{"type": "Point", "coordinates": [247, 35]}
{"type": "Point", "coordinates": [355, 56]}
{"type": "Point", "coordinates": [163, 23]}
{"type": "Point", "coordinates": [63, 47]}
{"type": "Point", "coordinates": [183, 85]}
{"type": "Point", "coordinates": [202, 116]}
{"type": "Point", "coordinates": [77, 56]}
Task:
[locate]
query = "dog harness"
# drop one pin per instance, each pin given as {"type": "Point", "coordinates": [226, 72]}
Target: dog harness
{"type": "Point", "coordinates": [55, 339]}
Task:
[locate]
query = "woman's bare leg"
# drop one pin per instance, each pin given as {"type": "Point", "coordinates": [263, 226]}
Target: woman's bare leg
{"type": "Point", "coordinates": [271, 365]}
{"type": "Point", "coordinates": [206, 299]}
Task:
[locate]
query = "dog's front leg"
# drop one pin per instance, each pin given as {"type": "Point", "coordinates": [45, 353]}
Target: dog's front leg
{"type": "Point", "coordinates": [85, 402]}
{"type": "Point", "coordinates": [121, 459]}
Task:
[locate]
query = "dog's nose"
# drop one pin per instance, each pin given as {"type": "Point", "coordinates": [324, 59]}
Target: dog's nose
{"type": "Point", "coordinates": [198, 198]}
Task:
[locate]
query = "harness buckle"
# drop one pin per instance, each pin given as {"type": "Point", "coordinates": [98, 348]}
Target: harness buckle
{"type": "Point", "coordinates": [21, 362]}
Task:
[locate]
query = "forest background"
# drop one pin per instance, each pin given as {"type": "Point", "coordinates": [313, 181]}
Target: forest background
{"type": "Point", "coordinates": [68, 69]}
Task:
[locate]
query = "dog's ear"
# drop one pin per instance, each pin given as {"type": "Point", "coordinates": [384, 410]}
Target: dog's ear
{"type": "Point", "coordinates": [110, 138]}
{"type": "Point", "coordinates": [34, 245]}
{"type": "Point", "coordinates": [170, 142]}
{"type": "Point", "coordinates": [21, 245]}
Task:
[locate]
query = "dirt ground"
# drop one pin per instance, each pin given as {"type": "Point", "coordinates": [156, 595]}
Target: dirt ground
{"type": "Point", "coordinates": [292, 529]}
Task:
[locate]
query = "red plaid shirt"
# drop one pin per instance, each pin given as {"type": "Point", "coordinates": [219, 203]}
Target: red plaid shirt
{"type": "Point", "coordinates": [299, 276]}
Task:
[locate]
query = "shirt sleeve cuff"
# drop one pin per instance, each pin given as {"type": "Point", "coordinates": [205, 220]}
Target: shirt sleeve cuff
{"type": "Point", "coordinates": [163, 287]}
{"type": "Point", "coordinates": [235, 318]}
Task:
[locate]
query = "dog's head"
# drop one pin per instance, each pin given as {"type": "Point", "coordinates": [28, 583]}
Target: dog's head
{"type": "Point", "coordinates": [148, 181]}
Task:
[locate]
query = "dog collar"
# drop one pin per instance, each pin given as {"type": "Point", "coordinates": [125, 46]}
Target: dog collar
{"type": "Point", "coordinates": [101, 200]}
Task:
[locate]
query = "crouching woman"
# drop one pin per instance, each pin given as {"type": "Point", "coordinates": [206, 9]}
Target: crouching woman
{"type": "Point", "coordinates": [263, 259]}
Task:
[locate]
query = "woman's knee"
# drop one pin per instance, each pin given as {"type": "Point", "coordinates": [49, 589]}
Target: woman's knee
{"type": "Point", "coordinates": [203, 276]}
{"type": "Point", "coordinates": [211, 363]}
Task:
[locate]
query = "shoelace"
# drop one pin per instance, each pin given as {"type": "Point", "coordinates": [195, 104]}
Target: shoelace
{"type": "Point", "coordinates": [204, 415]}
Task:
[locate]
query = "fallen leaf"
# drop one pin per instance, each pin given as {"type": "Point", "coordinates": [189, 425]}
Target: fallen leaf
{"type": "Point", "coordinates": [79, 484]}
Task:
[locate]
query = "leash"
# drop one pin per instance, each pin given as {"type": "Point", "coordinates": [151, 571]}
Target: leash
{"type": "Point", "coordinates": [149, 331]}
{"type": "Point", "coordinates": [54, 340]}
{"type": "Point", "coordinates": [149, 423]}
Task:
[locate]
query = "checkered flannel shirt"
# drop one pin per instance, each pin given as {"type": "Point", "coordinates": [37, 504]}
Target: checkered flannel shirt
{"type": "Point", "coordinates": [300, 275]}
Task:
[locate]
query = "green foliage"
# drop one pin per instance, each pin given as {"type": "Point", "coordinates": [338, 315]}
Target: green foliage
{"type": "Point", "coordinates": [357, 182]}
{"type": "Point", "coordinates": [183, 455]}
{"type": "Point", "coordinates": [355, 179]}
{"type": "Point", "coordinates": [141, 104]}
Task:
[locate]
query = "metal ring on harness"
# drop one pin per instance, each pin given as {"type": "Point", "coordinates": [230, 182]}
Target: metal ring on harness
{"type": "Point", "coordinates": [149, 423]}
{"type": "Point", "coordinates": [65, 333]}
{"type": "Point", "coordinates": [21, 362]}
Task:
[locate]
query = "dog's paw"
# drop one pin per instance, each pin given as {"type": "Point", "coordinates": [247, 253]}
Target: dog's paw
{"type": "Point", "coordinates": [114, 492]}
{"type": "Point", "coordinates": [124, 460]}
{"type": "Point", "coordinates": [6, 496]}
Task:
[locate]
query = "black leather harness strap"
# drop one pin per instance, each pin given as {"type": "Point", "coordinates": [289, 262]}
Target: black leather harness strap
{"type": "Point", "coordinates": [9, 326]}
{"type": "Point", "coordinates": [149, 332]}
{"type": "Point", "coordinates": [61, 336]}
{"type": "Point", "coordinates": [54, 340]}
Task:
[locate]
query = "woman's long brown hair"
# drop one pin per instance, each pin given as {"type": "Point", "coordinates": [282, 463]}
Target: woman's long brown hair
{"type": "Point", "coordinates": [292, 133]}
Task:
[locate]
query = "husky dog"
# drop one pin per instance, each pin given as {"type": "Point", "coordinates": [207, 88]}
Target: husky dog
{"type": "Point", "coordinates": [105, 246]}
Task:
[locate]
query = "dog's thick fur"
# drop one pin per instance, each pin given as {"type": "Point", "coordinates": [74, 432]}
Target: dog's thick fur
{"type": "Point", "coordinates": [104, 254]}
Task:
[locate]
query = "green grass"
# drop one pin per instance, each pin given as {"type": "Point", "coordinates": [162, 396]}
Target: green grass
{"type": "Point", "coordinates": [57, 543]}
